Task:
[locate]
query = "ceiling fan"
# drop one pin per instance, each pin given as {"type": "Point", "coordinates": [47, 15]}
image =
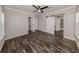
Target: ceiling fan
{"type": "Point", "coordinates": [39, 9]}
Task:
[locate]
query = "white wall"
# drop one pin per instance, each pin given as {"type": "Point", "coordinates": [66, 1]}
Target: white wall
{"type": "Point", "coordinates": [1, 25]}
{"type": "Point", "coordinates": [16, 23]}
{"type": "Point", "coordinates": [69, 22]}
{"type": "Point", "coordinates": [35, 21]}
{"type": "Point", "coordinates": [1, 30]}
{"type": "Point", "coordinates": [69, 26]}
{"type": "Point", "coordinates": [41, 22]}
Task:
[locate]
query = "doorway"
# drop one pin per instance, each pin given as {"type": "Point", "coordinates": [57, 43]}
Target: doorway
{"type": "Point", "coordinates": [59, 26]}
{"type": "Point", "coordinates": [30, 24]}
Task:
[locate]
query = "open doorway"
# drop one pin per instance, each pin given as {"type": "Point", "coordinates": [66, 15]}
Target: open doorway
{"type": "Point", "coordinates": [30, 24]}
{"type": "Point", "coordinates": [59, 26]}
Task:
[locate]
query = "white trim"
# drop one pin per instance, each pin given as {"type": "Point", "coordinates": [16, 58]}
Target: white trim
{"type": "Point", "coordinates": [70, 38]}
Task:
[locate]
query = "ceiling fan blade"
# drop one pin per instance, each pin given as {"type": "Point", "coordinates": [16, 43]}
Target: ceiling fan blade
{"type": "Point", "coordinates": [44, 7]}
{"type": "Point", "coordinates": [39, 7]}
{"type": "Point", "coordinates": [35, 7]}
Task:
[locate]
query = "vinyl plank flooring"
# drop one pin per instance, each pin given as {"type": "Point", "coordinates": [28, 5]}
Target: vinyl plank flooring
{"type": "Point", "coordinates": [39, 42]}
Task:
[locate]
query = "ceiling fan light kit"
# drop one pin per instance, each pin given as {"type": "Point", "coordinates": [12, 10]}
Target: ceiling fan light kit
{"type": "Point", "coordinates": [39, 11]}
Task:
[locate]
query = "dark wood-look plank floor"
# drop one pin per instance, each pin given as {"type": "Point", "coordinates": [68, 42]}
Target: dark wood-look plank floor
{"type": "Point", "coordinates": [39, 42]}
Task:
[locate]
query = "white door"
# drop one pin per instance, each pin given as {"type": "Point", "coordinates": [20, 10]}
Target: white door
{"type": "Point", "coordinates": [50, 21]}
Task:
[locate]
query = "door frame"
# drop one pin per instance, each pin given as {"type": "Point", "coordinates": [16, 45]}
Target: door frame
{"type": "Point", "coordinates": [61, 15]}
{"type": "Point", "coordinates": [31, 24]}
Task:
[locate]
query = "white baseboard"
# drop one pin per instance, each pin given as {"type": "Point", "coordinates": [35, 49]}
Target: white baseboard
{"type": "Point", "coordinates": [6, 38]}
{"type": "Point", "coordinates": [73, 39]}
